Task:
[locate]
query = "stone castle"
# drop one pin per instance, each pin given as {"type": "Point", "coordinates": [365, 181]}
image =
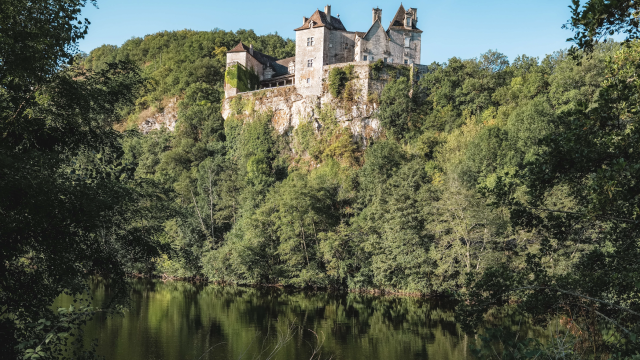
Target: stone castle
{"type": "Point", "coordinates": [322, 43]}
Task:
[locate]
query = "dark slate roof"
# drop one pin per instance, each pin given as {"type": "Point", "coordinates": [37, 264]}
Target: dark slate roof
{"type": "Point", "coordinates": [285, 62]}
{"type": "Point", "coordinates": [239, 48]}
{"type": "Point", "coordinates": [262, 58]}
{"type": "Point", "coordinates": [319, 19]}
{"type": "Point", "coordinates": [371, 29]}
{"type": "Point", "coordinates": [279, 68]}
{"type": "Point", "coordinates": [398, 21]}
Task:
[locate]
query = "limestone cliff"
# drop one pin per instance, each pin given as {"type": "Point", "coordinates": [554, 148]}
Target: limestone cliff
{"type": "Point", "coordinates": [167, 118]}
{"type": "Point", "coordinates": [356, 108]}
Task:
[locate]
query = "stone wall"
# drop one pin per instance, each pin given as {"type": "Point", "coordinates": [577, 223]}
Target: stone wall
{"type": "Point", "coordinates": [341, 47]}
{"type": "Point", "coordinates": [304, 53]}
{"type": "Point", "coordinates": [399, 52]}
{"type": "Point", "coordinates": [246, 60]}
{"type": "Point", "coordinates": [375, 44]}
{"type": "Point", "coordinates": [290, 107]}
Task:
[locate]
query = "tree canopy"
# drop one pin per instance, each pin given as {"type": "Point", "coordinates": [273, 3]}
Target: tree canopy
{"type": "Point", "coordinates": [510, 185]}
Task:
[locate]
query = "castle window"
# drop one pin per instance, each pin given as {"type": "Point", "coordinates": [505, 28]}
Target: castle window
{"type": "Point", "coordinates": [371, 58]}
{"type": "Point", "coordinates": [364, 58]}
{"type": "Point", "coordinates": [407, 41]}
{"type": "Point", "coordinates": [406, 62]}
{"type": "Point", "coordinates": [385, 60]}
{"type": "Point", "coordinates": [310, 41]}
{"type": "Point", "coordinates": [308, 80]}
{"type": "Point", "coordinates": [310, 63]}
{"type": "Point", "coordinates": [391, 61]}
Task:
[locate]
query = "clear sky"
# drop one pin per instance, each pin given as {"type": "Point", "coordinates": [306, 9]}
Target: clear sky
{"type": "Point", "coordinates": [462, 28]}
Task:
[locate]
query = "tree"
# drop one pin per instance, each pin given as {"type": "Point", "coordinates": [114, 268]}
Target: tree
{"type": "Point", "coordinates": [598, 19]}
{"type": "Point", "coordinates": [70, 205]}
{"type": "Point", "coordinates": [589, 155]}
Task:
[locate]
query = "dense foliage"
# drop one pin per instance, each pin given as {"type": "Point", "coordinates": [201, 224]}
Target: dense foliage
{"type": "Point", "coordinates": [511, 185]}
{"type": "Point", "coordinates": [487, 168]}
{"type": "Point", "coordinates": [596, 20]}
{"type": "Point", "coordinates": [70, 206]}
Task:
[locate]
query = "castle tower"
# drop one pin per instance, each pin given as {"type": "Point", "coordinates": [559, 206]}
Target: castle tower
{"type": "Point", "coordinates": [405, 36]}
{"type": "Point", "coordinates": [313, 47]}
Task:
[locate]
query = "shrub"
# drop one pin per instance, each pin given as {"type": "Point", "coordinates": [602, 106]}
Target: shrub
{"type": "Point", "coordinates": [337, 81]}
{"type": "Point", "coordinates": [241, 78]}
{"type": "Point", "coordinates": [376, 68]}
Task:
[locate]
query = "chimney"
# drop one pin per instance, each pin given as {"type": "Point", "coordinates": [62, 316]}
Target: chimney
{"type": "Point", "coordinates": [377, 15]}
{"type": "Point", "coordinates": [251, 49]}
{"type": "Point", "coordinates": [304, 20]}
{"type": "Point", "coordinates": [327, 10]}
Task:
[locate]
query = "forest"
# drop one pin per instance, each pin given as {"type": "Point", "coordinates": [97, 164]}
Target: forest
{"type": "Point", "coordinates": [509, 185]}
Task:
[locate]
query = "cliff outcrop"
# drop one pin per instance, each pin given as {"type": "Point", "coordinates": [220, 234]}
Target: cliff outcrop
{"type": "Point", "coordinates": [355, 105]}
{"type": "Point", "coordinates": [166, 118]}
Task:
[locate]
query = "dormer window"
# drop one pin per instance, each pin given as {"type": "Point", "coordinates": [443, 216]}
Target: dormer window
{"type": "Point", "coordinates": [407, 22]}
{"type": "Point", "coordinates": [310, 41]}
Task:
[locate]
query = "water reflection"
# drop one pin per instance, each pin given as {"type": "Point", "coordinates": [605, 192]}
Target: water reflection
{"type": "Point", "coordinates": [178, 320]}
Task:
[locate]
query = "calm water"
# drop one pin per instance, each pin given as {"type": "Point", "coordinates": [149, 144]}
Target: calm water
{"type": "Point", "coordinates": [178, 320]}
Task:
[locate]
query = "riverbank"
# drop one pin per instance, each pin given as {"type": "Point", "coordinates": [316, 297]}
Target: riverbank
{"type": "Point", "coordinates": [376, 292]}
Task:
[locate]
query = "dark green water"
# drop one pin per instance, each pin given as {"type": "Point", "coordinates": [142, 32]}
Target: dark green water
{"type": "Point", "coordinates": [179, 320]}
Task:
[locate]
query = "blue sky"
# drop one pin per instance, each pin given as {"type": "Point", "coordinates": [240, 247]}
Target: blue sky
{"type": "Point", "coordinates": [462, 28]}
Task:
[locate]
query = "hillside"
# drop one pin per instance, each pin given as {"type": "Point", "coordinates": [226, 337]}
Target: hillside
{"type": "Point", "coordinates": [312, 208]}
{"type": "Point", "coordinates": [509, 186]}
{"type": "Point", "coordinates": [486, 173]}
{"type": "Point", "coordinates": [172, 62]}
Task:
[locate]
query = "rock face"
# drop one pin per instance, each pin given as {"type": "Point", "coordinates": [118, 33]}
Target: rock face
{"type": "Point", "coordinates": [167, 118]}
{"type": "Point", "coordinates": [290, 108]}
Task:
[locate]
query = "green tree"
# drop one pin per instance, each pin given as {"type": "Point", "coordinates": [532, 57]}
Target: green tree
{"type": "Point", "coordinates": [71, 206]}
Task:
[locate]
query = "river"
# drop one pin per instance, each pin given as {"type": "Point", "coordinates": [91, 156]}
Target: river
{"type": "Point", "coordinates": [180, 320]}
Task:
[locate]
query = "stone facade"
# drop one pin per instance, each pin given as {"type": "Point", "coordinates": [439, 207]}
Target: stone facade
{"type": "Point", "coordinates": [323, 40]}
{"type": "Point", "coordinates": [249, 62]}
{"type": "Point", "coordinates": [323, 43]}
{"type": "Point", "coordinates": [399, 44]}
{"type": "Point", "coordinates": [341, 47]}
{"type": "Point", "coordinates": [373, 45]}
{"type": "Point", "coordinates": [267, 69]}
{"type": "Point", "coordinates": [310, 59]}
